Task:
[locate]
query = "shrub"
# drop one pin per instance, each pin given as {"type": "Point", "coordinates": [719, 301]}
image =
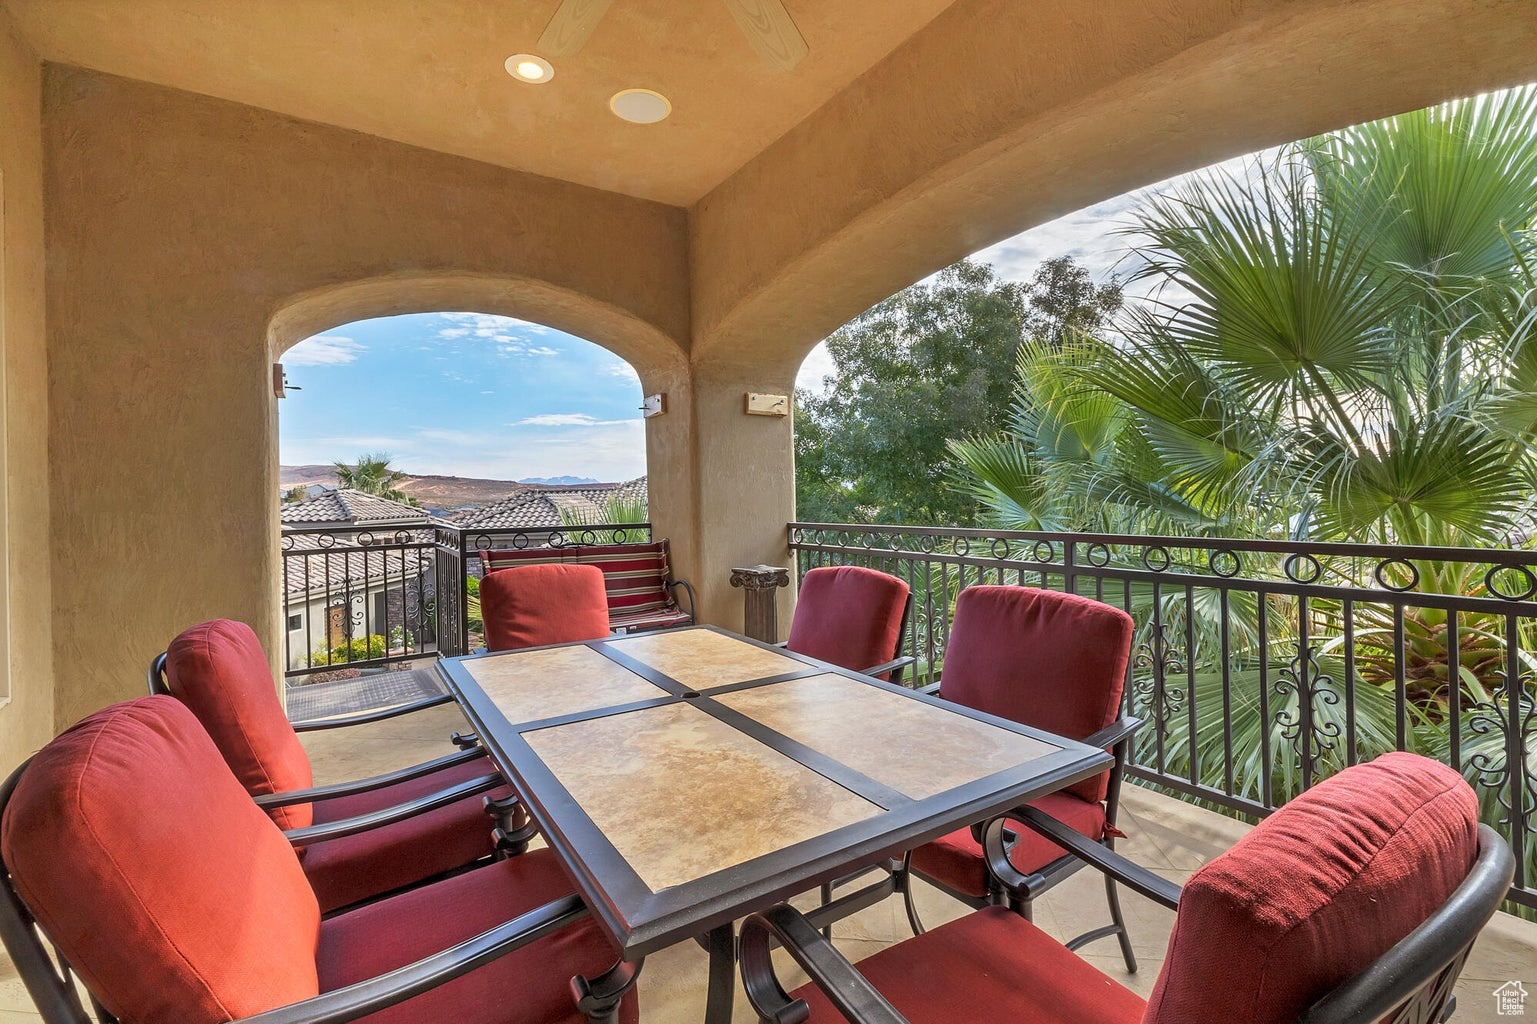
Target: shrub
{"type": "Point", "coordinates": [357, 649]}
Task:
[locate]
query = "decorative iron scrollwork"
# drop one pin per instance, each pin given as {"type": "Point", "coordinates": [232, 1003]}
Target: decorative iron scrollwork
{"type": "Point", "coordinates": [1305, 678]}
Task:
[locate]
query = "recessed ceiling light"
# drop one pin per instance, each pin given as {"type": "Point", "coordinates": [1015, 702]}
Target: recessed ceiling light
{"type": "Point", "coordinates": [526, 67]}
{"type": "Point", "coordinates": [640, 106]}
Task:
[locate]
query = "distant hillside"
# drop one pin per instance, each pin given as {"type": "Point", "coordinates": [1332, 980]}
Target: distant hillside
{"type": "Point", "coordinates": [558, 481]}
{"type": "Point", "coordinates": [443, 492]}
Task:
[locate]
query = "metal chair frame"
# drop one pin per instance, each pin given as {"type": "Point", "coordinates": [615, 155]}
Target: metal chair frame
{"type": "Point", "coordinates": [51, 982]}
{"type": "Point", "coordinates": [1117, 738]}
{"type": "Point", "coordinates": [1411, 982]}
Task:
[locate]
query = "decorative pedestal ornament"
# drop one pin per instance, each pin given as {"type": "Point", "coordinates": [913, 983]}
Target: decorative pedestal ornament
{"type": "Point", "coordinates": [760, 610]}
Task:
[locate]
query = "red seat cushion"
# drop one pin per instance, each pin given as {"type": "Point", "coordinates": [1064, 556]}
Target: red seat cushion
{"type": "Point", "coordinates": [529, 986]}
{"type": "Point", "coordinates": [1049, 660]}
{"type": "Point", "coordinates": [988, 967]}
{"type": "Point", "coordinates": [534, 605]}
{"type": "Point", "coordinates": [849, 616]}
{"type": "Point", "coordinates": [218, 670]}
{"type": "Point", "coordinates": [956, 860]}
{"type": "Point", "coordinates": [346, 870]}
{"type": "Point", "coordinates": [171, 894]}
{"type": "Point", "coordinates": [1316, 892]}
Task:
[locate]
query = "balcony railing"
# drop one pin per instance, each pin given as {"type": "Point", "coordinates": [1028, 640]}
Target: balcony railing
{"type": "Point", "coordinates": [356, 598]}
{"type": "Point", "coordinates": [1262, 667]}
{"type": "Point", "coordinates": [369, 599]}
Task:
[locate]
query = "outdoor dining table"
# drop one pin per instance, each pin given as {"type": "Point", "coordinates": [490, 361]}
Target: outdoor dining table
{"type": "Point", "coordinates": [690, 777]}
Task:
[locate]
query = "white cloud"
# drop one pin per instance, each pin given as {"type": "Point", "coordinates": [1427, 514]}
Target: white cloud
{"type": "Point", "coordinates": [567, 419]}
{"type": "Point", "coordinates": [509, 334]}
{"type": "Point", "coordinates": [622, 370]}
{"type": "Point", "coordinates": [324, 350]}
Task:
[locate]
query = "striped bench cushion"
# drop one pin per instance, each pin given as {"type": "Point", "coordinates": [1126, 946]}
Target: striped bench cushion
{"type": "Point", "coordinates": [634, 575]}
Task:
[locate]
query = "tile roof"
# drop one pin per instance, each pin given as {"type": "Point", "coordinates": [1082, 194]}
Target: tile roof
{"type": "Point", "coordinates": [351, 507]}
{"type": "Point", "coordinates": [543, 508]}
{"type": "Point", "coordinates": [311, 564]}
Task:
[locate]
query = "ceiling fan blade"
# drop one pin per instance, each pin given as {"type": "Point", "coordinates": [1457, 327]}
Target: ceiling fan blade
{"type": "Point", "coordinates": [767, 25]}
{"type": "Point", "coordinates": [570, 26]}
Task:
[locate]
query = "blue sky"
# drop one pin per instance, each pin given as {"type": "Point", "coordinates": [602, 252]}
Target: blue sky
{"type": "Point", "coordinates": [470, 394]}
{"type": "Point", "coordinates": [463, 394]}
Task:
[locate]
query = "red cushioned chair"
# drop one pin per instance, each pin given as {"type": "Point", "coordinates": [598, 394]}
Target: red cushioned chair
{"type": "Point", "coordinates": [1357, 902]}
{"type": "Point", "coordinates": [1056, 662]}
{"type": "Point", "coordinates": [128, 845]}
{"type": "Point", "coordinates": [535, 605]}
{"type": "Point", "coordinates": [852, 617]}
{"type": "Point", "coordinates": [384, 833]}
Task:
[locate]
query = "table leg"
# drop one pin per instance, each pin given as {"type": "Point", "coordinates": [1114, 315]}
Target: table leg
{"type": "Point", "coordinates": [721, 943]}
{"type": "Point", "coordinates": [599, 998]}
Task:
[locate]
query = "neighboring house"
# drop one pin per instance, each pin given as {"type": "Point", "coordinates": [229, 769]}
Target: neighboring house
{"type": "Point", "coordinates": [539, 511]}
{"type": "Point", "coordinates": [308, 490]}
{"type": "Point", "coordinates": [335, 590]}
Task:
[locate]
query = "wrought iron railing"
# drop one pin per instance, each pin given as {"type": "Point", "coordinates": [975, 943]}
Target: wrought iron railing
{"type": "Point", "coordinates": [1262, 667]}
{"type": "Point", "coordinates": [364, 599]}
{"type": "Point", "coordinates": [458, 563]}
{"type": "Point", "coordinates": [356, 599]}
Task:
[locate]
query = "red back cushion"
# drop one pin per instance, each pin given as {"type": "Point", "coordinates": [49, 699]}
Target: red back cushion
{"type": "Point", "coordinates": [167, 889]}
{"type": "Point", "coordinates": [534, 605]}
{"type": "Point", "coordinates": [219, 671]}
{"type": "Point", "coordinates": [1044, 659]}
{"type": "Point", "coordinates": [634, 575]}
{"type": "Point", "coordinates": [1316, 892]}
{"type": "Point", "coordinates": [848, 615]}
{"type": "Point", "coordinates": [492, 560]}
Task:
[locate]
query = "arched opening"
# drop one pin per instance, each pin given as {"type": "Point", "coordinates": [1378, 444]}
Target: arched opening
{"type": "Point", "coordinates": [398, 435]}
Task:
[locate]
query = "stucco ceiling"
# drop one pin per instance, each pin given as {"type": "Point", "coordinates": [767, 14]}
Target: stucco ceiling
{"type": "Point", "coordinates": [429, 73]}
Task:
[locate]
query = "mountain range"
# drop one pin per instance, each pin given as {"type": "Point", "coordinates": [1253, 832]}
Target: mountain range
{"type": "Point", "coordinates": [440, 492]}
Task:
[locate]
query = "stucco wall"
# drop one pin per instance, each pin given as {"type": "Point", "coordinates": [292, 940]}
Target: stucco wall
{"type": "Point", "coordinates": [190, 240]}
{"type": "Point", "coordinates": [26, 717]}
{"type": "Point", "coordinates": [1001, 115]}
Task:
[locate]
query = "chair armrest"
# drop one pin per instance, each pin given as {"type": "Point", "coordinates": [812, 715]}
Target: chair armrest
{"type": "Point", "coordinates": [890, 666]}
{"type": "Point", "coordinates": [390, 815]}
{"type": "Point", "coordinates": [1133, 876]}
{"type": "Point", "coordinates": [1116, 733]}
{"type": "Point", "coordinates": [374, 716]}
{"type": "Point", "coordinates": [366, 997]}
{"type": "Point", "coordinates": [781, 644]}
{"type": "Point", "coordinates": [416, 771]}
{"type": "Point", "coordinates": [673, 586]}
{"type": "Point", "coordinates": [846, 988]}
{"type": "Point", "coordinates": [932, 690]}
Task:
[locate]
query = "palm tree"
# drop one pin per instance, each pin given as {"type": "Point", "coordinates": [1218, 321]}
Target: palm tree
{"type": "Point", "coordinates": [1340, 347]}
{"type": "Point", "coordinates": [372, 475]}
{"type": "Point", "coordinates": [1350, 358]}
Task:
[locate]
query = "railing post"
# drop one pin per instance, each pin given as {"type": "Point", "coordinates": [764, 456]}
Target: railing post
{"type": "Point", "coordinates": [462, 595]}
{"type": "Point", "coordinates": [760, 606]}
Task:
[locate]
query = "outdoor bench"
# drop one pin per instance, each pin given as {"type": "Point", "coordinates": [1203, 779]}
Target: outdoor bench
{"type": "Point", "coordinates": [637, 577]}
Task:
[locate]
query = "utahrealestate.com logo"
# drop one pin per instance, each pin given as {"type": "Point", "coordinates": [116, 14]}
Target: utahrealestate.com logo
{"type": "Point", "coordinates": [1510, 1000]}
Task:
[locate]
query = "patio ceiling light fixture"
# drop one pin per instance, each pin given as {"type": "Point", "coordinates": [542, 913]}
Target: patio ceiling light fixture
{"type": "Point", "coordinates": [531, 68]}
{"type": "Point", "coordinates": [640, 106]}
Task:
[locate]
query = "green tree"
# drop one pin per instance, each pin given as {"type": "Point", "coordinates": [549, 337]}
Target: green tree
{"type": "Point", "coordinates": [1346, 353]}
{"type": "Point", "coordinates": [1349, 357]}
{"type": "Point", "coordinates": [372, 474]}
{"type": "Point", "coordinates": [929, 364]}
{"type": "Point", "coordinates": [1065, 300]}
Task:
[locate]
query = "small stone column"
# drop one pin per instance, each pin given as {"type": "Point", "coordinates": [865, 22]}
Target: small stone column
{"type": "Point", "coordinates": [760, 610]}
